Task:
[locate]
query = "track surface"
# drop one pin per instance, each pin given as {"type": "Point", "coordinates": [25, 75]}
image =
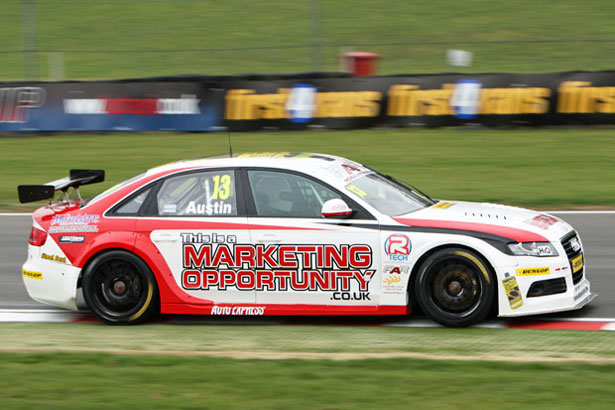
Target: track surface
{"type": "Point", "coordinates": [597, 231]}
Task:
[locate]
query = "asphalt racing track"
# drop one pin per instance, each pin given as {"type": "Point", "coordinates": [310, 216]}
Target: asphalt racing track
{"type": "Point", "coordinates": [597, 230]}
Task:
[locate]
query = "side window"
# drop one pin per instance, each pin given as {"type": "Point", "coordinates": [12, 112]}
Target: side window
{"type": "Point", "coordinates": [210, 193]}
{"type": "Point", "coordinates": [133, 205]}
{"type": "Point", "coordinates": [287, 195]}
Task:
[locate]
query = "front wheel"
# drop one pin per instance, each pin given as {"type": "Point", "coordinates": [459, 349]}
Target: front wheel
{"type": "Point", "coordinates": [120, 288]}
{"type": "Point", "coordinates": [455, 287]}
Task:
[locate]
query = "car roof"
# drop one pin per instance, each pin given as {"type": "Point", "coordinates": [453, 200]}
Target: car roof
{"type": "Point", "coordinates": [300, 161]}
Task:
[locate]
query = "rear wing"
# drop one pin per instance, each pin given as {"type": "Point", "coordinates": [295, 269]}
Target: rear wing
{"type": "Point", "coordinates": [76, 178]}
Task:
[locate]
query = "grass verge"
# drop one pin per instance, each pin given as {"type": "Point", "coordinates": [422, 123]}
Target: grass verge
{"type": "Point", "coordinates": [109, 381]}
{"type": "Point", "coordinates": [238, 339]}
{"type": "Point", "coordinates": [545, 167]}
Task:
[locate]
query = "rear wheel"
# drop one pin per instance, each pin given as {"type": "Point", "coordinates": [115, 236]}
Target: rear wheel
{"type": "Point", "coordinates": [455, 287]}
{"type": "Point", "coordinates": [120, 288]}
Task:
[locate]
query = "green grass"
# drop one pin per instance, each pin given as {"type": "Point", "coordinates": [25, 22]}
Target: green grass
{"type": "Point", "coordinates": [107, 381]}
{"type": "Point", "coordinates": [103, 26]}
{"type": "Point", "coordinates": [240, 338]}
{"type": "Point", "coordinates": [545, 168]}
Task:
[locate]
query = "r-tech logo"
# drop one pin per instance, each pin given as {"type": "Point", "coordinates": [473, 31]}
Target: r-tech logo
{"type": "Point", "coordinates": [398, 247]}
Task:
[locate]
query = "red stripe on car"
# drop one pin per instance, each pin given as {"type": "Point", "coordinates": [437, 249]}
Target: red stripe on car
{"type": "Point", "coordinates": [519, 235]}
{"type": "Point", "coordinates": [281, 310]}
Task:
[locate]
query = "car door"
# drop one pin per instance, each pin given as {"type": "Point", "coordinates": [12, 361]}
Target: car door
{"type": "Point", "coordinates": [195, 220]}
{"type": "Point", "coordinates": [303, 258]}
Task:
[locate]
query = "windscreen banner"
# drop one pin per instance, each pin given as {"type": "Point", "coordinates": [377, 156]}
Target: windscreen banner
{"type": "Point", "coordinates": [310, 100]}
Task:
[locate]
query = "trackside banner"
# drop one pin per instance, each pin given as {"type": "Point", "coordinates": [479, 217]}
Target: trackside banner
{"type": "Point", "coordinates": [299, 101]}
{"type": "Point", "coordinates": [110, 106]}
{"type": "Point", "coordinates": [572, 98]}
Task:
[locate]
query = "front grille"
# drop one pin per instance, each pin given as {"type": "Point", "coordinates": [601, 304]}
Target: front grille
{"type": "Point", "coordinates": [547, 287]}
{"type": "Point", "coordinates": [571, 254]}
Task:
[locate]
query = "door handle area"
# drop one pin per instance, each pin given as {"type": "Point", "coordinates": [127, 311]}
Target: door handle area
{"type": "Point", "coordinates": [268, 238]}
{"type": "Point", "coordinates": [164, 237]}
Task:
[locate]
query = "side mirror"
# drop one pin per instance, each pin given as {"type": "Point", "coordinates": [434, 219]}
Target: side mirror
{"type": "Point", "coordinates": [335, 208]}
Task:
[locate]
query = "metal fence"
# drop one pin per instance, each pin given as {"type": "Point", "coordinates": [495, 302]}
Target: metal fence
{"type": "Point", "coordinates": [97, 39]}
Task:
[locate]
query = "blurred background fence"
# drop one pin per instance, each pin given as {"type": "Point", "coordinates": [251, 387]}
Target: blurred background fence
{"type": "Point", "coordinates": [104, 39]}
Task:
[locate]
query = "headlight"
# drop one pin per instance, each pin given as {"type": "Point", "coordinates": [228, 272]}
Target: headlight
{"type": "Point", "coordinates": [533, 249]}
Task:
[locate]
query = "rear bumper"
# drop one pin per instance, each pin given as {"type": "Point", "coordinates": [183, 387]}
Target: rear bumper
{"type": "Point", "coordinates": [51, 283]}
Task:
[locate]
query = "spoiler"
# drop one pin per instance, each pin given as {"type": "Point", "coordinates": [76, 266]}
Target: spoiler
{"type": "Point", "coordinates": [76, 178]}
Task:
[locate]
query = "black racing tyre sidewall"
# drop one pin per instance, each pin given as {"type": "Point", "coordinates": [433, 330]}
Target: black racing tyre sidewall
{"type": "Point", "coordinates": [488, 288]}
{"type": "Point", "coordinates": [140, 313]}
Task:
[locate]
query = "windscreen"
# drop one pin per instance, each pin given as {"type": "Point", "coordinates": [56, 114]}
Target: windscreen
{"type": "Point", "coordinates": [388, 197]}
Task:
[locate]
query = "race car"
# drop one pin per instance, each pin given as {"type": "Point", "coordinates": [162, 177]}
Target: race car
{"type": "Point", "coordinates": [293, 234]}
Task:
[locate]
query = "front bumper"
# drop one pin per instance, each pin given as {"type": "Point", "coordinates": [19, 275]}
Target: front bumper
{"type": "Point", "coordinates": [517, 294]}
{"type": "Point", "coordinates": [50, 282]}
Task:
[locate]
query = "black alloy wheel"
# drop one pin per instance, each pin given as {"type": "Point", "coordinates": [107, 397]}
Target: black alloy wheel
{"type": "Point", "coordinates": [120, 288]}
{"type": "Point", "coordinates": [455, 287]}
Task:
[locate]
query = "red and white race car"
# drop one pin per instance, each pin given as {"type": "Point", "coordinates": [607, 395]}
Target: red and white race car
{"type": "Point", "coordinates": [293, 234]}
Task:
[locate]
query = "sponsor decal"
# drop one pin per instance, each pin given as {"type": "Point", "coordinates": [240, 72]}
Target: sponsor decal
{"type": "Point", "coordinates": [74, 219]}
{"type": "Point", "coordinates": [207, 238]}
{"type": "Point", "coordinates": [265, 155]}
{"type": "Point", "coordinates": [74, 223]}
{"type": "Point", "coordinates": [410, 100]}
{"type": "Point", "coordinates": [32, 275]}
{"type": "Point", "coordinates": [543, 221]}
{"type": "Point", "coordinates": [238, 310]}
{"type": "Point", "coordinates": [246, 104]}
{"type": "Point", "coordinates": [392, 279]}
{"type": "Point", "coordinates": [72, 239]}
{"type": "Point", "coordinates": [442, 205]}
{"type": "Point", "coordinates": [356, 190]}
{"type": "Point", "coordinates": [350, 296]}
{"type": "Point", "coordinates": [466, 99]}
{"type": "Point", "coordinates": [54, 258]}
{"type": "Point", "coordinates": [301, 103]}
{"type": "Point", "coordinates": [513, 293]}
{"type": "Point", "coordinates": [348, 171]}
{"type": "Point", "coordinates": [169, 208]}
{"type": "Point", "coordinates": [578, 97]}
{"type": "Point", "coordinates": [533, 271]}
{"type": "Point", "coordinates": [397, 247]}
{"type": "Point", "coordinates": [575, 244]}
{"type": "Point", "coordinates": [577, 263]}
{"type": "Point", "coordinates": [186, 105]}
{"type": "Point", "coordinates": [217, 262]}
{"type": "Point", "coordinates": [396, 270]}
{"type": "Point", "coordinates": [16, 102]}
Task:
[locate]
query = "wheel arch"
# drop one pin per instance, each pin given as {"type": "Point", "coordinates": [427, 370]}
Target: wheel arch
{"type": "Point", "coordinates": [431, 251]}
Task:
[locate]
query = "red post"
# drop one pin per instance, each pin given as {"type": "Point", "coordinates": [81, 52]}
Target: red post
{"type": "Point", "coordinates": [361, 63]}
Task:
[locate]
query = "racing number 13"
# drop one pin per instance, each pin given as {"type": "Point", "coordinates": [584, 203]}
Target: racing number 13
{"type": "Point", "coordinates": [222, 186]}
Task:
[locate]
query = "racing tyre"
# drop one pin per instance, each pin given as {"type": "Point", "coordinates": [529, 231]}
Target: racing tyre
{"type": "Point", "coordinates": [120, 288]}
{"type": "Point", "coordinates": [455, 287]}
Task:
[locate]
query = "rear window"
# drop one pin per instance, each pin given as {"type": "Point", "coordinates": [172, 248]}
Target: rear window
{"type": "Point", "coordinates": [114, 188]}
